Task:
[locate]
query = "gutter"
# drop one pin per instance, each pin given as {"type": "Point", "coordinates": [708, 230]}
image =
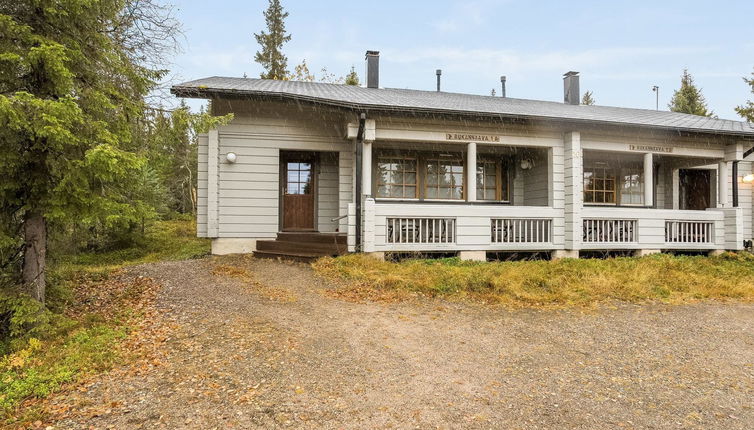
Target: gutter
{"type": "Point", "coordinates": [359, 173]}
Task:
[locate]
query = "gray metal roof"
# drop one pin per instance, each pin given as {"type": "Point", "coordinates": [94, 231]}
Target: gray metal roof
{"type": "Point", "coordinates": [404, 100]}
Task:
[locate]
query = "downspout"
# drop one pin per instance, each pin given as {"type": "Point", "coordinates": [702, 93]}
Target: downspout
{"type": "Point", "coordinates": [734, 174]}
{"type": "Point", "coordinates": [359, 155]}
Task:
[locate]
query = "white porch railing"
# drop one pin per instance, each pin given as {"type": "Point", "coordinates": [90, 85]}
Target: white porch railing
{"type": "Point", "coordinates": [690, 232]}
{"type": "Point", "coordinates": [421, 230]}
{"type": "Point", "coordinates": [397, 226]}
{"type": "Point", "coordinates": [609, 230]}
{"type": "Point", "coordinates": [401, 226]}
{"type": "Point", "coordinates": [521, 230]}
{"type": "Point", "coordinates": [642, 228]}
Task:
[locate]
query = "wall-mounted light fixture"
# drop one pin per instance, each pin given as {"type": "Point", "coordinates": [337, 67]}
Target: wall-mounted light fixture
{"type": "Point", "coordinates": [526, 164]}
{"type": "Point", "coordinates": [749, 179]}
{"type": "Point", "coordinates": [231, 157]}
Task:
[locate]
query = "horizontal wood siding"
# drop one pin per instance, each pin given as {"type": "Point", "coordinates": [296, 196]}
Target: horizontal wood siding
{"type": "Point", "coordinates": [201, 187]}
{"type": "Point", "coordinates": [345, 184]}
{"type": "Point", "coordinates": [327, 192]}
{"type": "Point", "coordinates": [535, 181]}
{"type": "Point", "coordinates": [249, 190]}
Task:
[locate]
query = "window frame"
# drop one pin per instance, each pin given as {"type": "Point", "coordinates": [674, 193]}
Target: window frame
{"type": "Point", "coordinates": [448, 156]}
{"type": "Point", "coordinates": [617, 172]}
{"type": "Point", "coordinates": [502, 179]}
{"type": "Point", "coordinates": [502, 185]}
{"type": "Point", "coordinates": [376, 178]}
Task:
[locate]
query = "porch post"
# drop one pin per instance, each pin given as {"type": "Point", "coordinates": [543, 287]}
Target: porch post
{"type": "Point", "coordinates": [471, 172]}
{"type": "Point", "coordinates": [574, 191]}
{"type": "Point", "coordinates": [366, 168]}
{"type": "Point", "coordinates": [648, 179]}
{"type": "Point", "coordinates": [722, 183]}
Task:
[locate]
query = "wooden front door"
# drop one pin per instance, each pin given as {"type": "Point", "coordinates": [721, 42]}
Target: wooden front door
{"type": "Point", "coordinates": [299, 191]}
{"type": "Point", "coordinates": [695, 189]}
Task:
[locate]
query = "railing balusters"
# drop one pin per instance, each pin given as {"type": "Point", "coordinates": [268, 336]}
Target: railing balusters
{"type": "Point", "coordinates": [692, 232]}
{"type": "Point", "coordinates": [599, 230]}
{"type": "Point", "coordinates": [420, 230]}
{"type": "Point", "coordinates": [520, 230]}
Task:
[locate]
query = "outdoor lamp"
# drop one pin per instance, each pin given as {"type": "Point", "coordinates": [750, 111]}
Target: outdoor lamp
{"type": "Point", "coordinates": [231, 157]}
{"type": "Point", "coordinates": [749, 179]}
{"type": "Point", "coordinates": [526, 164]}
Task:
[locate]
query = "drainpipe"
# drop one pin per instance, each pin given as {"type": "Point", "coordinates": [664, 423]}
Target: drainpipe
{"type": "Point", "coordinates": [734, 171]}
{"type": "Point", "coordinates": [734, 175]}
{"type": "Point", "coordinates": [359, 155]}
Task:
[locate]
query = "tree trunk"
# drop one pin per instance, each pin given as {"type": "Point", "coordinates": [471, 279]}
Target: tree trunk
{"type": "Point", "coordinates": [35, 255]}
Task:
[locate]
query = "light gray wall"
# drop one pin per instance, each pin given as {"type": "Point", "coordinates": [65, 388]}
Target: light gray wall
{"type": "Point", "coordinates": [536, 182]}
{"type": "Point", "coordinates": [201, 188]}
{"type": "Point", "coordinates": [249, 189]}
{"type": "Point", "coordinates": [327, 192]}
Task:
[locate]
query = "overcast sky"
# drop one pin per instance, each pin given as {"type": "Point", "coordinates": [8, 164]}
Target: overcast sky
{"type": "Point", "coordinates": [621, 48]}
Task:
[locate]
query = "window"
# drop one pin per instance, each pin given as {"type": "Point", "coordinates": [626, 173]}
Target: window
{"type": "Point", "coordinates": [433, 176]}
{"type": "Point", "coordinates": [444, 178]}
{"type": "Point", "coordinates": [632, 186]}
{"type": "Point", "coordinates": [491, 181]}
{"type": "Point", "coordinates": [396, 177]}
{"type": "Point", "coordinates": [599, 184]}
{"type": "Point", "coordinates": [606, 184]}
{"type": "Point", "coordinates": [299, 180]}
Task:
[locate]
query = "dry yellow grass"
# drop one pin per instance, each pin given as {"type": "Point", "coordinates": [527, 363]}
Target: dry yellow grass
{"type": "Point", "coordinates": [584, 282]}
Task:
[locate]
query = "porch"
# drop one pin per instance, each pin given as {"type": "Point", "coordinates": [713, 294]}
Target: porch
{"type": "Point", "coordinates": [559, 199]}
{"type": "Point", "coordinates": [395, 227]}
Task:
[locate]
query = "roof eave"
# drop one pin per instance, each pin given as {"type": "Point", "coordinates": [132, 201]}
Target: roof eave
{"type": "Point", "coordinates": [209, 93]}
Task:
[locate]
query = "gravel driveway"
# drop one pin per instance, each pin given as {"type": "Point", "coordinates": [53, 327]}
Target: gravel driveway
{"type": "Point", "coordinates": [279, 353]}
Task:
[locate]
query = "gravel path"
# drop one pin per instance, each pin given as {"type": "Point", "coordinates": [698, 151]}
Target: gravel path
{"type": "Point", "coordinates": [278, 353]}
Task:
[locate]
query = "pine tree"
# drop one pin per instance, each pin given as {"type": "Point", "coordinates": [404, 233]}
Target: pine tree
{"type": "Point", "coordinates": [271, 57]}
{"type": "Point", "coordinates": [588, 98]}
{"type": "Point", "coordinates": [747, 110]}
{"type": "Point", "coordinates": [352, 78]}
{"type": "Point", "coordinates": [689, 98]}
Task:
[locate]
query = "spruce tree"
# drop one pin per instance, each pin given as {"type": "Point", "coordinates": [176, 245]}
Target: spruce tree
{"type": "Point", "coordinates": [271, 56]}
{"type": "Point", "coordinates": [747, 110]}
{"type": "Point", "coordinates": [72, 84]}
{"type": "Point", "coordinates": [588, 98]}
{"type": "Point", "coordinates": [689, 98]}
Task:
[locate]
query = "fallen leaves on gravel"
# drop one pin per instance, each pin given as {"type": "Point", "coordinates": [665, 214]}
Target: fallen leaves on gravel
{"type": "Point", "coordinates": [276, 294]}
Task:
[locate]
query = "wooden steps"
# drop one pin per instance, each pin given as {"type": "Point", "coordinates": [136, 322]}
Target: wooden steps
{"type": "Point", "coordinates": [302, 246]}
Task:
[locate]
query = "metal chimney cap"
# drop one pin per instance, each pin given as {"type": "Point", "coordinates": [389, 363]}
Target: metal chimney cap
{"type": "Point", "coordinates": [372, 54]}
{"type": "Point", "coordinates": [502, 78]}
{"type": "Point", "coordinates": [438, 72]}
{"type": "Point", "coordinates": [571, 73]}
